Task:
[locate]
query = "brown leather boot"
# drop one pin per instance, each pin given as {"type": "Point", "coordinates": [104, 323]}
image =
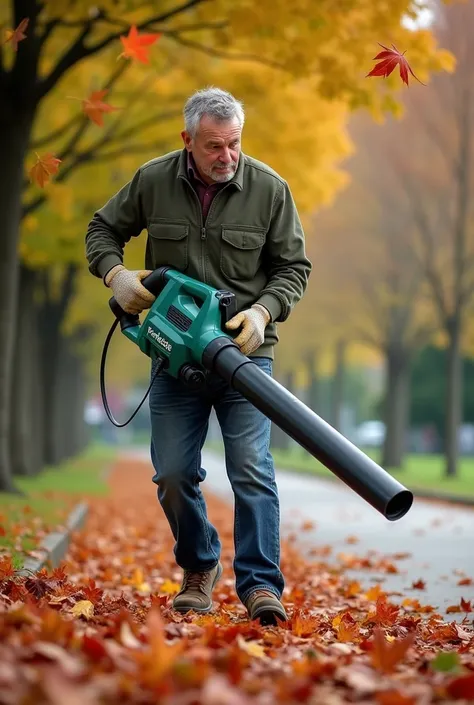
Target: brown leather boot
{"type": "Point", "coordinates": [196, 590]}
{"type": "Point", "coordinates": [265, 606]}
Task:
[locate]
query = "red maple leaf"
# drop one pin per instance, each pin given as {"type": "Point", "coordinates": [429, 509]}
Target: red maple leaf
{"type": "Point", "coordinates": [388, 59]}
{"type": "Point", "coordinates": [94, 107]}
{"type": "Point", "coordinates": [16, 35]}
{"type": "Point", "coordinates": [136, 45]}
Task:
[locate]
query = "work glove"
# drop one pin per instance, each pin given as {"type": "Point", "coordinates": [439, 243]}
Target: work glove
{"type": "Point", "coordinates": [128, 290]}
{"type": "Point", "coordinates": [253, 320]}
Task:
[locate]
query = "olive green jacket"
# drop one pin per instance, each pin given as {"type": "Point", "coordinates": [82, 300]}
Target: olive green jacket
{"type": "Point", "coordinates": [252, 242]}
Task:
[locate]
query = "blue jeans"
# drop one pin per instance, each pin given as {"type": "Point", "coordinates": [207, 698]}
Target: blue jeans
{"type": "Point", "coordinates": [179, 423]}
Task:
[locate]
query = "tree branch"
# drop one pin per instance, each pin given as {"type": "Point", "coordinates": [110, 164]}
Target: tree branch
{"type": "Point", "coordinates": [78, 50]}
{"type": "Point", "coordinates": [57, 133]}
{"type": "Point", "coordinates": [225, 55]}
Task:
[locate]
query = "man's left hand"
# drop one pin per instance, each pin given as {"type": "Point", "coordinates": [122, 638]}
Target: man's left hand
{"type": "Point", "coordinates": [253, 320]}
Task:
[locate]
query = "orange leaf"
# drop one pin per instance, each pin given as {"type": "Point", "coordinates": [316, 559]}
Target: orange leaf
{"type": "Point", "coordinates": [135, 45]}
{"type": "Point", "coordinates": [43, 168]}
{"type": "Point", "coordinates": [388, 59]}
{"type": "Point", "coordinates": [419, 585]}
{"type": "Point", "coordinates": [16, 35]}
{"type": "Point", "coordinates": [92, 593]}
{"type": "Point", "coordinates": [466, 605]}
{"type": "Point", "coordinates": [386, 656]}
{"type": "Point", "coordinates": [385, 612]}
{"type": "Point", "coordinates": [462, 687]}
{"type": "Point", "coordinates": [394, 697]}
{"type": "Point", "coordinates": [6, 568]}
{"type": "Point", "coordinates": [94, 107]}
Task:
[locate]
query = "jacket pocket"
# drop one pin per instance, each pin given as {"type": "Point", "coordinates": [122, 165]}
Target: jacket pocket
{"type": "Point", "coordinates": [169, 243]}
{"type": "Point", "coordinates": [241, 250]}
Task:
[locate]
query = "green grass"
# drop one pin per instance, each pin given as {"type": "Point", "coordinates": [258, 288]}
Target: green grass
{"type": "Point", "coordinates": [420, 472]}
{"type": "Point", "coordinates": [49, 497]}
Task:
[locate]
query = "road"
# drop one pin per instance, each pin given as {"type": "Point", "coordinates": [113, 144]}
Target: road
{"type": "Point", "coordinates": [438, 538]}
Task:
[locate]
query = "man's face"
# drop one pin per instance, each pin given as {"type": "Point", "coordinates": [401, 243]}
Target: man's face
{"type": "Point", "coordinates": [215, 148]}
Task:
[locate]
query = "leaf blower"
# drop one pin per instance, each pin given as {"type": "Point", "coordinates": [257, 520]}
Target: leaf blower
{"type": "Point", "coordinates": [183, 333]}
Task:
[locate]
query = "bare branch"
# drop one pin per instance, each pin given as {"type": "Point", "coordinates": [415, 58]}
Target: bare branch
{"type": "Point", "coordinates": [226, 55]}
{"type": "Point", "coordinates": [78, 50]}
{"type": "Point", "coordinates": [57, 133]}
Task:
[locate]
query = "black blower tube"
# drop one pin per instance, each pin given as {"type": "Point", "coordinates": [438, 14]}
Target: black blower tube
{"type": "Point", "coordinates": [322, 441]}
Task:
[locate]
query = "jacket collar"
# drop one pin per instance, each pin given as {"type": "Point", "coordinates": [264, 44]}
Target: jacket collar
{"type": "Point", "coordinates": [237, 179]}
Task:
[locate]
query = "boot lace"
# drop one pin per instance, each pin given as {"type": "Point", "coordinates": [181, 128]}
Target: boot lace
{"type": "Point", "coordinates": [195, 580]}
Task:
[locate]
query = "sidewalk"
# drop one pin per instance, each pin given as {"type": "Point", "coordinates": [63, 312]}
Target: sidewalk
{"type": "Point", "coordinates": [100, 630]}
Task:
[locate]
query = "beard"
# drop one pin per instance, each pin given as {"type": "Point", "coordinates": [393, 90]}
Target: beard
{"type": "Point", "coordinates": [221, 176]}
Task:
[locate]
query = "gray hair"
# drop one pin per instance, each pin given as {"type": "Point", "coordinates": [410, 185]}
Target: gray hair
{"type": "Point", "coordinates": [216, 103]}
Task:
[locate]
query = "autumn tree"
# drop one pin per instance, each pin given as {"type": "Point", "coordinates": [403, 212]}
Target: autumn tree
{"type": "Point", "coordinates": [431, 152]}
{"type": "Point", "coordinates": [48, 45]}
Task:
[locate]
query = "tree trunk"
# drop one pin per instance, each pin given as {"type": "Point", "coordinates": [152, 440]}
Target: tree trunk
{"type": "Point", "coordinates": [14, 138]}
{"type": "Point", "coordinates": [52, 312]}
{"type": "Point", "coordinates": [24, 437]}
{"type": "Point", "coordinates": [453, 396]}
{"type": "Point", "coordinates": [396, 405]}
{"type": "Point", "coordinates": [338, 385]}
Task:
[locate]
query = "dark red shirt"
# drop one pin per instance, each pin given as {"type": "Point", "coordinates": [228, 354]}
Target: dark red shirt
{"type": "Point", "coordinates": [205, 192]}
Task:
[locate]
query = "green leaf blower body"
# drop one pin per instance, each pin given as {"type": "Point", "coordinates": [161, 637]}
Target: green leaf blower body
{"type": "Point", "coordinates": [184, 331]}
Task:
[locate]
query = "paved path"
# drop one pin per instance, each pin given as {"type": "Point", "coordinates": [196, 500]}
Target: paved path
{"type": "Point", "coordinates": [439, 538]}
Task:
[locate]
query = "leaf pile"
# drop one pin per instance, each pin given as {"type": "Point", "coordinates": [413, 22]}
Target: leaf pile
{"type": "Point", "coordinates": [100, 628]}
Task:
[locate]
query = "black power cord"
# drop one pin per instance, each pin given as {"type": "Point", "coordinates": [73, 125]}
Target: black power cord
{"type": "Point", "coordinates": [159, 367]}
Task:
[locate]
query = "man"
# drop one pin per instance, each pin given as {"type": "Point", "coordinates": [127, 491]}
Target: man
{"type": "Point", "coordinates": [226, 219]}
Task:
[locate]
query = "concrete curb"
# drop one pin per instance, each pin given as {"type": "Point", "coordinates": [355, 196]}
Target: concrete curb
{"type": "Point", "coordinates": [54, 546]}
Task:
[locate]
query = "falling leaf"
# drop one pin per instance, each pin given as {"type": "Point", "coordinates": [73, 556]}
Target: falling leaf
{"type": "Point", "coordinates": [465, 581]}
{"type": "Point", "coordinates": [136, 45]}
{"type": "Point", "coordinates": [94, 107]}
{"type": "Point", "coordinates": [83, 608]}
{"type": "Point", "coordinates": [465, 605]}
{"type": "Point", "coordinates": [16, 35]}
{"type": "Point", "coordinates": [388, 59]}
{"type": "Point", "coordinates": [43, 168]}
{"type": "Point", "coordinates": [384, 656]}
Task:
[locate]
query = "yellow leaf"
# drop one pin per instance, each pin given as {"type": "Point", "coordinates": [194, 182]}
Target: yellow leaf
{"type": "Point", "coordinates": [169, 587]}
{"type": "Point", "coordinates": [253, 648]}
{"type": "Point", "coordinates": [83, 608]}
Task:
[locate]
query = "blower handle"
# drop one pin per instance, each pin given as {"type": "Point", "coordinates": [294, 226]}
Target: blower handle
{"type": "Point", "coordinates": [154, 283]}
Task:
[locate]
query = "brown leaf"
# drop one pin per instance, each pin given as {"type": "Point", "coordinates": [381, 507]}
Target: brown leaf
{"type": "Point", "coordinates": [394, 697]}
{"type": "Point", "coordinates": [44, 167]}
{"type": "Point", "coordinates": [385, 657]}
{"type": "Point", "coordinates": [17, 35]}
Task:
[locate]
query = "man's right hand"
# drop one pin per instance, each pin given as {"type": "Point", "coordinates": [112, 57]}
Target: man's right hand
{"type": "Point", "coordinates": [128, 290]}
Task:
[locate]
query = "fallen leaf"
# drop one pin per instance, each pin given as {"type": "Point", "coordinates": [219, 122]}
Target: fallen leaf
{"type": "Point", "coordinates": [83, 608]}
{"type": "Point", "coordinates": [386, 657]}
{"type": "Point", "coordinates": [462, 687]}
{"type": "Point", "coordinates": [169, 587]}
{"type": "Point", "coordinates": [446, 661]}
{"type": "Point", "coordinates": [419, 585]}
{"type": "Point", "coordinates": [388, 59]}
{"type": "Point", "coordinates": [394, 697]}
{"type": "Point", "coordinates": [252, 648]}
